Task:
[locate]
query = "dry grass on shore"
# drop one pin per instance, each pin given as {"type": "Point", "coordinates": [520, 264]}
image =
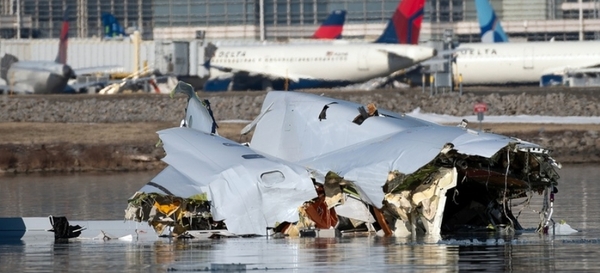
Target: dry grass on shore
{"type": "Point", "coordinates": [63, 147]}
{"type": "Point", "coordinates": [129, 133]}
{"type": "Point", "coordinates": [96, 133]}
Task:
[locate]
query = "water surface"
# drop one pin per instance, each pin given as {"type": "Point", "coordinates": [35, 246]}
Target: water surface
{"type": "Point", "coordinates": [104, 196]}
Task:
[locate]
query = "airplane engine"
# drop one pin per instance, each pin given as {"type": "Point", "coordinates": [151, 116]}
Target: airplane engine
{"type": "Point", "coordinates": [68, 72]}
{"type": "Point", "coordinates": [5, 64]}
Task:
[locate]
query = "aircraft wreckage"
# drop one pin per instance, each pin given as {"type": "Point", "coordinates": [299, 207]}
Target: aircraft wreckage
{"type": "Point", "coordinates": [318, 163]}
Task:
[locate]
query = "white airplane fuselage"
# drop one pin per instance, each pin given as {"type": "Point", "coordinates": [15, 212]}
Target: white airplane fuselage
{"type": "Point", "coordinates": [39, 77]}
{"type": "Point", "coordinates": [322, 64]}
{"type": "Point", "coordinates": [500, 63]}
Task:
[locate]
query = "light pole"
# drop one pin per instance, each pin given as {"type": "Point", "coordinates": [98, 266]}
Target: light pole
{"type": "Point", "coordinates": [18, 2]}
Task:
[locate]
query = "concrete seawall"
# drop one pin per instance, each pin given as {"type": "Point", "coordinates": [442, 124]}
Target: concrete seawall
{"type": "Point", "coordinates": [246, 105]}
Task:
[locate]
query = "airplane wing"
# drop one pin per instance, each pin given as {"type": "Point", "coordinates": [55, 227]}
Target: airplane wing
{"type": "Point", "coordinates": [247, 190]}
{"type": "Point", "coordinates": [250, 192]}
{"type": "Point", "coordinates": [97, 69]}
{"type": "Point", "coordinates": [591, 67]}
{"type": "Point", "coordinates": [555, 75]}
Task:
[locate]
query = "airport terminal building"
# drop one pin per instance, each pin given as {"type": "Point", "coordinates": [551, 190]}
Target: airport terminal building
{"type": "Point", "coordinates": [281, 20]}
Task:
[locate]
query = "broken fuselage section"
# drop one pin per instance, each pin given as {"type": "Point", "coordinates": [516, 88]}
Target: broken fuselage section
{"type": "Point", "coordinates": [309, 166]}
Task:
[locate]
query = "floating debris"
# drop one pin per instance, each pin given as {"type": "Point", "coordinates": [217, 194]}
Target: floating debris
{"type": "Point", "coordinates": [306, 171]}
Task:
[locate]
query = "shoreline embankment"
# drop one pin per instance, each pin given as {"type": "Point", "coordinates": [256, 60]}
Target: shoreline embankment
{"type": "Point", "coordinates": [25, 151]}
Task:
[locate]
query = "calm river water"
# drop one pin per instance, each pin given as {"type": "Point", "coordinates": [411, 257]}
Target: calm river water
{"type": "Point", "coordinates": [102, 197]}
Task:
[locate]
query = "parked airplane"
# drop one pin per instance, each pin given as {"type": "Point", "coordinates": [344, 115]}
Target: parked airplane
{"type": "Point", "coordinates": [322, 163]}
{"type": "Point", "coordinates": [405, 25]}
{"type": "Point", "coordinates": [293, 66]}
{"type": "Point", "coordinates": [332, 27]}
{"type": "Point", "coordinates": [491, 29]}
{"type": "Point", "coordinates": [39, 76]}
{"type": "Point", "coordinates": [112, 28]}
{"type": "Point", "coordinates": [543, 63]}
{"type": "Point", "coordinates": [523, 63]}
{"type": "Point", "coordinates": [44, 77]}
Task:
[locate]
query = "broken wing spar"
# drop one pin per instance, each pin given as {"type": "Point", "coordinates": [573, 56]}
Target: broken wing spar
{"type": "Point", "coordinates": [400, 168]}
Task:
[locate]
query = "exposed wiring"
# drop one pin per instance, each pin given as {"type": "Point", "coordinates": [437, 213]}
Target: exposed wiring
{"type": "Point", "coordinates": [504, 203]}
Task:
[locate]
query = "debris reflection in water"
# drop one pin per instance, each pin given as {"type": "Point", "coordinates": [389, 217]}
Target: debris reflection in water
{"type": "Point", "coordinates": [84, 195]}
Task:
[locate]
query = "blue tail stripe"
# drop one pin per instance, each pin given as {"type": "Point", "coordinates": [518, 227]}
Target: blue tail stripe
{"type": "Point", "coordinates": [389, 34]}
{"type": "Point", "coordinates": [336, 18]}
{"type": "Point", "coordinates": [489, 25]}
{"type": "Point", "coordinates": [489, 22]}
{"type": "Point", "coordinates": [411, 19]}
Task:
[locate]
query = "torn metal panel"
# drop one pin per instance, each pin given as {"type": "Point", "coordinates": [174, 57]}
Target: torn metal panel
{"type": "Point", "coordinates": [363, 153]}
{"type": "Point", "coordinates": [249, 192]}
{"type": "Point", "coordinates": [431, 200]}
{"type": "Point", "coordinates": [318, 132]}
{"type": "Point", "coordinates": [481, 143]}
{"type": "Point", "coordinates": [292, 130]}
{"type": "Point", "coordinates": [171, 182]}
{"type": "Point", "coordinates": [198, 114]}
{"type": "Point", "coordinates": [310, 166]}
{"type": "Point", "coordinates": [353, 208]}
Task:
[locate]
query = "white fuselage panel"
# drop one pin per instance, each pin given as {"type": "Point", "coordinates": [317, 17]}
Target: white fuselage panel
{"type": "Point", "coordinates": [522, 62]}
{"type": "Point", "coordinates": [333, 62]}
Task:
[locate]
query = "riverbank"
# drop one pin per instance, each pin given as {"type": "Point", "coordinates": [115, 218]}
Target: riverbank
{"type": "Point", "coordinates": [65, 147]}
{"type": "Point", "coordinates": [118, 133]}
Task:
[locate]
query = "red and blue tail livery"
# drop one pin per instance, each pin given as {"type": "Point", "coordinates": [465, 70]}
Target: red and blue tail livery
{"type": "Point", "coordinates": [332, 26]}
{"type": "Point", "coordinates": [61, 57]}
{"type": "Point", "coordinates": [405, 25]}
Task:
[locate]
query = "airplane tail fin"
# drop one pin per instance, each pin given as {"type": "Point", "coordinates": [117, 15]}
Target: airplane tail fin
{"type": "Point", "coordinates": [209, 53]}
{"type": "Point", "coordinates": [405, 25]}
{"type": "Point", "coordinates": [112, 28]}
{"type": "Point", "coordinates": [491, 30]}
{"type": "Point", "coordinates": [5, 64]}
{"type": "Point", "coordinates": [332, 26]}
{"type": "Point", "coordinates": [61, 57]}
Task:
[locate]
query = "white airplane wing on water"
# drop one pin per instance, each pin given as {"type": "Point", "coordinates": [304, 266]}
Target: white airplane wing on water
{"type": "Point", "coordinates": [248, 191]}
{"type": "Point", "coordinates": [309, 153]}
